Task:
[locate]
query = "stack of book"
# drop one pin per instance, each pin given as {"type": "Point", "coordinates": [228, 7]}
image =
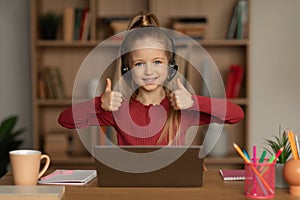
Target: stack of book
{"type": "Point", "coordinates": [57, 144]}
{"type": "Point", "coordinates": [193, 27]}
{"type": "Point", "coordinates": [76, 23]}
{"type": "Point", "coordinates": [50, 84]}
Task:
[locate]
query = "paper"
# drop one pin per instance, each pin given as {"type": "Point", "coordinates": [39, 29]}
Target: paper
{"type": "Point", "coordinates": [69, 177]}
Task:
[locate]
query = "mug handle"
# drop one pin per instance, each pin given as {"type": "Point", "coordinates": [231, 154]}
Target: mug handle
{"type": "Point", "coordinates": [45, 166]}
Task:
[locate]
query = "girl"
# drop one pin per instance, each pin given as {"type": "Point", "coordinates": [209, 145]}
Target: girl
{"type": "Point", "coordinates": [148, 112]}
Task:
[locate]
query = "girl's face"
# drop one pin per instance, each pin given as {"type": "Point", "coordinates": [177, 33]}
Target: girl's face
{"type": "Point", "coordinates": [149, 68]}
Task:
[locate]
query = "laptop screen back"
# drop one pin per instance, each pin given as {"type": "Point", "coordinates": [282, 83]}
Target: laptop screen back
{"type": "Point", "coordinates": [168, 166]}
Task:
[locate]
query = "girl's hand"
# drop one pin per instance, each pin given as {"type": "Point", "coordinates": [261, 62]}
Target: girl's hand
{"type": "Point", "coordinates": [181, 99]}
{"type": "Point", "coordinates": [111, 100]}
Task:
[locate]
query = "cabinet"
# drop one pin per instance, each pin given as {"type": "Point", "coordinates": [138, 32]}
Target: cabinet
{"type": "Point", "coordinates": [69, 55]}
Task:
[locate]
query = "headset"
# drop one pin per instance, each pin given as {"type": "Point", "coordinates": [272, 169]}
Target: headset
{"type": "Point", "coordinates": [173, 67]}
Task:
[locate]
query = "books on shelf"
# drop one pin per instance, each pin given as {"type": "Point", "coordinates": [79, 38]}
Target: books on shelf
{"type": "Point", "coordinates": [238, 26]}
{"type": "Point", "coordinates": [76, 23]}
{"type": "Point", "coordinates": [232, 174]}
{"type": "Point", "coordinates": [193, 27]}
{"type": "Point", "coordinates": [68, 177]}
{"type": "Point", "coordinates": [234, 81]}
{"type": "Point", "coordinates": [57, 143]}
{"type": "Point", "coordinates": [37, 192]}
{"type": "Point", "coordinates": [50, 84]}
{"type": "Point", "coordinates": [62, 143]}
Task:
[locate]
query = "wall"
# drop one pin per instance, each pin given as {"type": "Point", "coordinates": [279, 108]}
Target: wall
{"type": "Point", "coordinates": [275, 68]}
{"type": "Point", "coordinates": [15, 64]}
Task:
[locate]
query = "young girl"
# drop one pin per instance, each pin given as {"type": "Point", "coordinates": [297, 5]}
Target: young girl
{"type": "Point", "coordinates": [148, 112]}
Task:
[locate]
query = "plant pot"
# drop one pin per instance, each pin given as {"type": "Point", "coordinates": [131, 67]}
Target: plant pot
{"type": "Point", "coordinates": [3, 166]}
{"type": "Point", "coordinates": [291, 172]}
{"type": "Point", "coordinates": [279, 178]}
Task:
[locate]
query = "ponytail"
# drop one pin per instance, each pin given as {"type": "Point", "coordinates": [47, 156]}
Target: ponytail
{"type": "Point", "coordinates": [143, 20]}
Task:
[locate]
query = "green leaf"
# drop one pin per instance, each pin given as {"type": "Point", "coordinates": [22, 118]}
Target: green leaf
{"type": "Point", "coordinates": [7, 125]}
{"type": "Point", "coordinates": [276, 143]}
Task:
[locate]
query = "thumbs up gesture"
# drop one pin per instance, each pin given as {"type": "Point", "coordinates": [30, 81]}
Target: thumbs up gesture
{"type": "Point", "coordinates": [111, 100]}
{"type": "Point", "coordinates": [181, 99]}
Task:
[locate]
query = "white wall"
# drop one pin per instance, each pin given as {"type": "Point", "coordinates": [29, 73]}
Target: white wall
{"type": "Point", "coordinates": [275, 68]}
{"type": "Point", "coordinates": [15, 64]}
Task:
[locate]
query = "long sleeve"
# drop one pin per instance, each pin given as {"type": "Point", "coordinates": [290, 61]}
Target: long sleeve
{"type": "Point", "coordinates": [213, 110]}
{"type": "Point", "coordinates": [82, 115]}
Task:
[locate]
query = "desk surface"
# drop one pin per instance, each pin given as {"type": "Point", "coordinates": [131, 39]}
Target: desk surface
{"type": "Point", "coordinates": [213, 188]}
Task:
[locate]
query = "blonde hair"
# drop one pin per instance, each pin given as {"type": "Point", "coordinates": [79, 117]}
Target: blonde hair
{"type": "Point", "coordinates": [150, 21]}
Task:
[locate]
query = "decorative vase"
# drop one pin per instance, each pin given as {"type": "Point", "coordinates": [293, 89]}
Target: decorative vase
{"type": "Point", "coordinates": [279, 179]}
{"type": "Point", "coordinates": [291, 173]}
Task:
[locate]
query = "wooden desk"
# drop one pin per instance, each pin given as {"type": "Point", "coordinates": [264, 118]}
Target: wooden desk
{"type": "Point", "coordinates": [213, 188]}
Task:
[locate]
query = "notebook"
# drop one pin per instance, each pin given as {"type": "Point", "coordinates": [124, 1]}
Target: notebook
{"type": "Point", "coordinates": [68, 177]}
{"type": "Point", "coordinates": [185, 171]}
{"type": "Point", "coordinates": [233, 174]}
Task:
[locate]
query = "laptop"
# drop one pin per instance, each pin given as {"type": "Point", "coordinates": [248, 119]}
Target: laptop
{"type": "Point", "coordinates": [148, 166]}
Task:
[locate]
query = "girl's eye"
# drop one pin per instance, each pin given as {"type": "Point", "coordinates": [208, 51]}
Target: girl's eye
{"type": "Point", "coordinates": [139, 64]}
{"type": "Point", "coordinates": [157, 62]}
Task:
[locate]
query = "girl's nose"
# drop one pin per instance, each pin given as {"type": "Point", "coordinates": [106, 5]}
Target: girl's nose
{"type": "Point", "coordinates": [148, 69]}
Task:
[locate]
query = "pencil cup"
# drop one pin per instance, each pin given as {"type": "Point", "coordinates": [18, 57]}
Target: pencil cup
{"type": "Point", "coordinates": [260, 180]}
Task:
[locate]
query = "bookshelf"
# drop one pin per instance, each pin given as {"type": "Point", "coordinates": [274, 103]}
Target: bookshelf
{"type": "Point", "coordinates": [68, 56]}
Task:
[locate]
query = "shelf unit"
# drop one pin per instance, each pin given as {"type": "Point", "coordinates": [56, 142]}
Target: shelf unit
{"type": "Point", "coordinates": [68, 56]}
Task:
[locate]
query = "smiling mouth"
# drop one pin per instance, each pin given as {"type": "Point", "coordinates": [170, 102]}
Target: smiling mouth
{"type": "Point", "coordinates": [149, 80]}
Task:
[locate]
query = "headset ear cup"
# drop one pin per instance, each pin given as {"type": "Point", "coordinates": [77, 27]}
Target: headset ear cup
{"type": "Point", "coordinates": [124, 69]}
{"type": "Point", "coordinates": [173, 67]}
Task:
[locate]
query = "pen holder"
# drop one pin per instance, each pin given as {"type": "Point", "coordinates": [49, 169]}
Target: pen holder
{"type": "Point", "coordinates": [260, 180]}
{"type": "Point", "coordinates": [291, 173]}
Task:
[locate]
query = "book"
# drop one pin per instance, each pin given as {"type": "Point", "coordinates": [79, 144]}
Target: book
{"type": "Point", "coordinates": [242, 22]}
{"type": "Point", "coordinates": [57, 143]}
{"type": "Point", "coordinates": [77, 23]}
{"type": "Point", "coordinates": [233, 174]}
{"type": "Point", "coordinates": [68, 177]}
{"type": "Point", "coordinates": [234, 81]}
{"type": "Point", "coordinates": [233, 23]}
{"type": "Point", "coordinates": [68, 23]}
{"type": "Point", "coordinates": [193, 27]}
{"type": "Point", "coordinates": [37, 192]}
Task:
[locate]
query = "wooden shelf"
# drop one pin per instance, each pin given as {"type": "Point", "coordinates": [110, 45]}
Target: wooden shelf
{"type": "Point", "coordinates": [67, 56]}
{"type": "Point", "coordinates": [240, 101]}
{"type": "Point", "coordinates": [62, 43]}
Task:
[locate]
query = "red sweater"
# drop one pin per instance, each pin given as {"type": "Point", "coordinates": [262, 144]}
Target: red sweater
{"type": "Point", "coordinates": [137, 124]}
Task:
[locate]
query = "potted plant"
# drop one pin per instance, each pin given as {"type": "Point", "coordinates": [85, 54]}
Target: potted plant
{"type": "Point", "coordinates": [8, 141]}
{"type": "Point", "coordinates": [48, 25]}
{"type": "Point", "coordinates": [274, 145]}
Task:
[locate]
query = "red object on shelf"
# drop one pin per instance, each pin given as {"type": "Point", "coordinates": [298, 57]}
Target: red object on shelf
{"type": "Point", "coordinates": [234, 81]}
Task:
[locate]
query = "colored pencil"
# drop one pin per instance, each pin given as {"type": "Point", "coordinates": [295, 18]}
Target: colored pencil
{"type": "Point", "coordinates": [254, 163]}
{"type": "Point", "coordinates": [292, 144]}
{"type": "Point", "coordinates": [297, 145]}
{"type": "Point", "coordinates": [262, 157]}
